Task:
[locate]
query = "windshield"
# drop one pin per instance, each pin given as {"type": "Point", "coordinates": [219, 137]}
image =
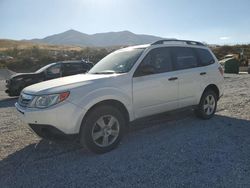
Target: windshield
{"type": "Point", "coordinates": [117, 62]}
{"type": "Point", "coordinates": [44, 68]}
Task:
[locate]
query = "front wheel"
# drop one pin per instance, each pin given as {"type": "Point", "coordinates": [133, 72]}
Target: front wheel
{"type": "Point", "coordinates": [102, 129]}
{"type": "Point", "coordinates": [207, 106]}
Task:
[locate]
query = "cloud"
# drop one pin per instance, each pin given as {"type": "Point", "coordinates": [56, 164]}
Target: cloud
{"type": "Point", "coordinates": [225, 38]}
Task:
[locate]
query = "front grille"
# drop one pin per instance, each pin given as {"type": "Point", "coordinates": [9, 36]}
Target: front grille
{"type": "Point", "coordinates": [24, 99]}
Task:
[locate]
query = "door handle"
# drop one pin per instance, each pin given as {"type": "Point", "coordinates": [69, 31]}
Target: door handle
{"type": "Point", "coordinates": [172, 78]}
{"type": "Point", "coordinates": [203, 73]}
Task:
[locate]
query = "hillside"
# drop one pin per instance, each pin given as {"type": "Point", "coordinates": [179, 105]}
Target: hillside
{"type": "Point", "coordinates": [6, 44]}
{"type": "Point", "coordinates": [73, 37]}
{"type": "Point", "coordinates": [29, 56]}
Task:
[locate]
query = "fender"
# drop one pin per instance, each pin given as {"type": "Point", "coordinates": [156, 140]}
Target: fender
{"type": "Point", "coordinates": [99, 95]}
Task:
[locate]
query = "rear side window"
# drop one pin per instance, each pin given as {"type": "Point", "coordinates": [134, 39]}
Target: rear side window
{"type": "Point", "coordinates": [205, 57]}
{"type": "Point", "coordinates": [72, 68]}
{"type": "Point", "coordinates": [184, 58]}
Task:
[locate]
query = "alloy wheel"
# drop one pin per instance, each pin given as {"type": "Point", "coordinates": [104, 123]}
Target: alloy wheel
{"type": "Point", "coordinates": [105, 131]}
{"type": "Point", "coordinates": [209, 105]}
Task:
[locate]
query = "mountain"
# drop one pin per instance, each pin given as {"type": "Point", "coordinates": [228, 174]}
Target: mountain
{"type": "Point", "coordinates": [73, 37]}
{"type": "Point", "coordinates": [25, 44]}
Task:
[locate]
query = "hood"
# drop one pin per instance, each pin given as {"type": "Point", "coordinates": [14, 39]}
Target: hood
{"type": "Point", "coordinates": [24, 75]}
{"type": "Point", "coordinates": [65, 83]}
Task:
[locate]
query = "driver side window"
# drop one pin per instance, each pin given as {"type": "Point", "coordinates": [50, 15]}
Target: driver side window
{"type": "Point", "coordinates": [157, 61]}
{"type": "Point", "coordinates": [54, 71]}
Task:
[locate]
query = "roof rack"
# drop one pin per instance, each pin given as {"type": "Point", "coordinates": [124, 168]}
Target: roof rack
{"type": "Point", "coordinates": [176, 40]}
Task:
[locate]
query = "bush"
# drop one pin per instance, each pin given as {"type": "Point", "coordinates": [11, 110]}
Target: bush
{"type": "Point", "coordinates": [31, 59]}
{"type": "Point", "coordinates": [232, 66]}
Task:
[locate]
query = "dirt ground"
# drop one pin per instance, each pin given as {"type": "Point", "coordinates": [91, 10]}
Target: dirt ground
{"type": "Point", "coordinates": [167, 150]}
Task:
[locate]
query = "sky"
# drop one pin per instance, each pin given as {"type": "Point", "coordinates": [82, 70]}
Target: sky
{"type": "Point", "coordinates": [211, 21]}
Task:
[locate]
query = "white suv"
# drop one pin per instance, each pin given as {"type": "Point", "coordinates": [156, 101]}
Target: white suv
{"type": "Point", "coordinates": [127, 84]}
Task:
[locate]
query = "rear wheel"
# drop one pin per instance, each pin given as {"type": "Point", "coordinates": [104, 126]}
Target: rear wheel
{"type": "Point", "coordinates": [102, 129]}
{"type": "Point", "coordinates": [207, 106]}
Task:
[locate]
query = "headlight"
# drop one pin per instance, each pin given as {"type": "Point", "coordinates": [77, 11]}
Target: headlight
{"type": "Point", "coordinates": [45, 101]}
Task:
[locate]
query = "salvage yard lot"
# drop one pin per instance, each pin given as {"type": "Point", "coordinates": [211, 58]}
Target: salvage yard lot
{"type": "Point", "coordinates": [167, 150]}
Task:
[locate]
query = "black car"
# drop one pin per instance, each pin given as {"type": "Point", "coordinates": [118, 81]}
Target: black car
{"type": "Point", "coordinates": [54, 70]}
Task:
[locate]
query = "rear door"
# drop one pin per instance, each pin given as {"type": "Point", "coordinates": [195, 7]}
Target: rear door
{"type": "Point", "coordinates": [155, 91]}
{"type": "Point", "coordinates": [209, 71]}
{"type": "Point", "coordinates": [187, 68]}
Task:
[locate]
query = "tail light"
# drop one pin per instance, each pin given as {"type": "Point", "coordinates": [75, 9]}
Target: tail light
{"type": "Point", "coordinates": [221, 70]}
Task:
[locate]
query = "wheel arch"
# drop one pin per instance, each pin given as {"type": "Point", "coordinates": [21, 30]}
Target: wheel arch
{"type": "Point", "coordinates": [212, 87]}
{"type": "Point", "coordinates": [111, 102]}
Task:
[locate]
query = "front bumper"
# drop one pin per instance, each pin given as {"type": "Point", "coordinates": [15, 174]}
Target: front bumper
{"type": "Point", "coordinates": [65, 118]}
{"type": "Point", "coordinates": [50, 132]}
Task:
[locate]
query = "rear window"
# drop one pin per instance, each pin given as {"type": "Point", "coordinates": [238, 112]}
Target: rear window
{"type": "Point", "coordinates": [205, 57]}
{"type": "Point", "coordinates": [184, 58]}
{"type": "Point", "coordinates": [72, 68]}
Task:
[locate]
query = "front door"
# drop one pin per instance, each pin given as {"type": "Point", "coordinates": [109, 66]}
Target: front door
{"type": "Point", "coordinates": [54, 71]}
{"type": "Point", "coordinates": [155, 86]}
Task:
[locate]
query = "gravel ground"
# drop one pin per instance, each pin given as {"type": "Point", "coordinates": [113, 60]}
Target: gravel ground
{"type": "Point", "coordinates": [167, 150]}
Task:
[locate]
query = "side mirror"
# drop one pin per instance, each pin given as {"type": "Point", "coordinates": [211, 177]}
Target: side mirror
{"type": "Point", "coordinates": [145, 70]}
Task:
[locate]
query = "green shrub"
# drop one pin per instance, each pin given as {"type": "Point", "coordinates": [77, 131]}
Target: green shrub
{"type": "Point", "coordinates": [232, 66]}
{"type": "Point", "coordinates": [31, 59]}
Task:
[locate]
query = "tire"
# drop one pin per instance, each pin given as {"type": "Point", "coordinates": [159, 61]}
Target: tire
{"type": "Point", "coordinates": [102, 129]}
{"type": "Point", "coordinates": [207, 106]}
